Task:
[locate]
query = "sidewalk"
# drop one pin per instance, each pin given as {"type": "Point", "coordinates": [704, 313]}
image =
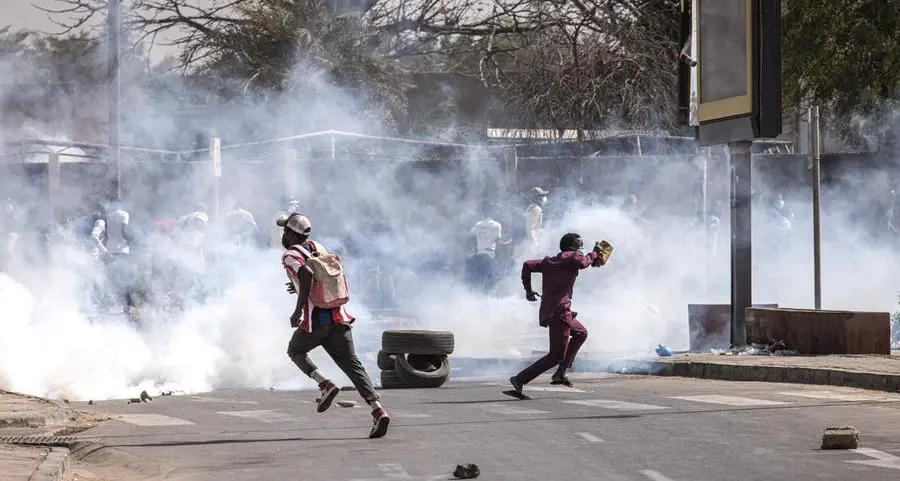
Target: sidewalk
{"type": "Point", "coordinates": [23, 416]}
{"type": "Point", "coordinates": [874, 372]}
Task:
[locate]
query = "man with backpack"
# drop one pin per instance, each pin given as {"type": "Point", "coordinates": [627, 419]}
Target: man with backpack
{"type": "Point", "coordinates": [320, 318]}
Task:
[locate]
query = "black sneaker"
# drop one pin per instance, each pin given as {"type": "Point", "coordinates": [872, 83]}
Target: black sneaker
{"type": "Point", "coordinates": [561, 380]}
{"type": "Point", "coordinates": [517, 385]}
{"type": "Point", "coordinates": [329, 392]}
{"type": "Point", "coordinates": [380, 424]}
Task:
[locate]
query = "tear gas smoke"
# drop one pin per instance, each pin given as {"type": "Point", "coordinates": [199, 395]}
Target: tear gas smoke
{"type": "Point", "coordinates": [409, 219]}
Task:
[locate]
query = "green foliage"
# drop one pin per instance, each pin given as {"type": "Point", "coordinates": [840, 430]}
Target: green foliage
{"type": "Point", "coordinates": [279, 46]}
{"type": "Point", "coordinates": [843, 55]}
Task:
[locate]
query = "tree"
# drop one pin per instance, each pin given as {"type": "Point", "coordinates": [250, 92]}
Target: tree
{"type": "Point", "coordinates": [578, 64]}
{"type": "Point", "coordinates": [843, 56]}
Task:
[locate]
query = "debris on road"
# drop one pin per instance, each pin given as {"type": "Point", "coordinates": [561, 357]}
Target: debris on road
{"type": "Point", "coordinates": [135, 400]}
{"type": "Point", "coordinates": [90, 403]}
{"type": "Point", "coordinates": [663, 351]}
{"type": "Point", "coordinates": [466, 471]}
{"type": "Point", "coordinates": [145, 397]}
{"type": "Point", "coordinates": [773, 348]}
{"type": "Point", "coordinates": [843, 437]}
{"type": "Point", "coordinates": [346, 404]}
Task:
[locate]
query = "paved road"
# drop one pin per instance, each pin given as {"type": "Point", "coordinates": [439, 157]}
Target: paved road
{"type": "Point", "coordinates": [608, 428]}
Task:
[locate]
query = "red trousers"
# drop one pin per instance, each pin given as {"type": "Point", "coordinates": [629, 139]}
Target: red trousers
{"type": "Point", "coordinates": [567, 335]}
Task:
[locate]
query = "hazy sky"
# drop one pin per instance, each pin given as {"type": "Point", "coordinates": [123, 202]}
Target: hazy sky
{"type": "Point", "coordinates": [22, 14]}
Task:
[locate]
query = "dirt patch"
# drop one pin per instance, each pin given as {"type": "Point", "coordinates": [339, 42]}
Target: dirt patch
{"type": "Point", "coordinates": [81, 422]}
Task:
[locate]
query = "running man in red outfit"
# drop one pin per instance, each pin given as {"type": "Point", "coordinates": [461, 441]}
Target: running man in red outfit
{"type": "Point", "coordinates": [567, 334]}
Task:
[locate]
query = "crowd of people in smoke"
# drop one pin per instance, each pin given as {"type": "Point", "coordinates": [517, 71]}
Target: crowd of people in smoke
{"type": "Point", "coordinates": [165, 262]}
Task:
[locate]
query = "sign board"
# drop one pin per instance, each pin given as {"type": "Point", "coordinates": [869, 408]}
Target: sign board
{"type": "Point", "coordinates": [739, 70]}
{"type": "Point", "coordinates": [215, 151]}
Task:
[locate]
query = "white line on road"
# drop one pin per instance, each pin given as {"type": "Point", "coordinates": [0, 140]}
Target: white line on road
{"type": "Point", "coordinates": [552, 389]}
{"type": "Point", "coordinates": [590, 437]}
{"type": "Point", "coordinates": [153, 420]}
{"type": "Point", "coordinates": [729, 400]}
{"type": "Point", "coordinates": [263, 415]}
{"type": "Point", "coordinates": [840, 396]}
{"type": "Point", "coordinates": [202, 399]}
{"type": "Point", "coordinates": [393, 471]}
{"type": "Point", "coordinates": [881, 458]}
{"type": "Point", "coordinates": [511, 411]}
{"type": "Point", "coordinates": [655, 476]}
{"type": "Point", "coordinates": [620, 405]}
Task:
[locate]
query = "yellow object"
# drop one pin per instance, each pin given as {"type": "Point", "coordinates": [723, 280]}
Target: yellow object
{"type": "Point", "coordinates": [604, 251]}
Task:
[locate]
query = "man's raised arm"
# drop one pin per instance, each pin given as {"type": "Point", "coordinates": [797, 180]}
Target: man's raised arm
{"type": "Point", "coordinates": [583, 261]}
{"type": "Point", "coordinates": [536, 265]}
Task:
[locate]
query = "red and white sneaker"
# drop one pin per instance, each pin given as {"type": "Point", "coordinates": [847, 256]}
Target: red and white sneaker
{"type": "Point", "coordinates": [329, 392]}
{"type": "Point", "coordinates": [380, 424]}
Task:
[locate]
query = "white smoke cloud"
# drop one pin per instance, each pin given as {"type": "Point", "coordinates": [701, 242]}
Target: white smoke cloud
{"type": "Point", "coordinates": [410, 218]}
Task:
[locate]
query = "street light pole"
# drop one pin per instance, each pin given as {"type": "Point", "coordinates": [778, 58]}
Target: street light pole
{"type": "Point", "coordinates": [815, 160]}
{"type": "Point", "coordinates": [113, 30]}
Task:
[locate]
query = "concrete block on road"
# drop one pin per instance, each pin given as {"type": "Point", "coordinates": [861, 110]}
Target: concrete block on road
{"type": "Point", "coordinates": [820, 331]}
{"type": "Point", "coordinates": [843, 437]}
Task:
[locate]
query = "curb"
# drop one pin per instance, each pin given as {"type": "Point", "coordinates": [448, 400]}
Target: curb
{"type": "Point", "coordinates": [785, 374]}
{"type": "Point", "coordinates": [106, 456]}
{"type": "Point", "coordinates": [53, 466]}
{"type": "Point", "coordinates": [54, 417]}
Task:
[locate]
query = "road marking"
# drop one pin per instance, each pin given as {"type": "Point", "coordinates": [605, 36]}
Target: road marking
{"type": "Point", "coordinates": [729, 400]}
{"type": "Point", "coordinates": [153, 420]}
{"type": "Point", "coordinates": [840, 396]}
{"type": "Point", "coordinates": [538, 388]}
{"type": "Point", "coordinates": [881, 458]}
{"type": "Point", "coordinates": [511, 411]}
{"type": "Point", "coordinates": [409, 415]}
{"type": "Point", "coordinates": [393, 471]}
{"type": "Point", "coordinates": [263, 415]}
{"type": "Point", "coordinates": [655, 476]}
{"type": "Point", "coordinates": [621, 405]}
{"type": "Point", "coordinates": [552, 389]}
{"type": "Point", "coordinates": [590, 437]}
{"type": "Point", "coordinates": [201, 399]}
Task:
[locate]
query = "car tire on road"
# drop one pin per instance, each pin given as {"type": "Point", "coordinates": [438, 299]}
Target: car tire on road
{"type": "Point", "coordinates": [413, 381]}
{"type": "Point", "coordinates": [390, 380]}
{"type": "Point", "coordinates": [385, 361]}
{"type": "Point", "coordinates": [418, 341]}
{"type": "Point", "coordinates": [406, 370]}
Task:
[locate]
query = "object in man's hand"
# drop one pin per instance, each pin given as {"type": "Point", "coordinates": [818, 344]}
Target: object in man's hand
{"type": "Point", "coordinates": [604, 251]}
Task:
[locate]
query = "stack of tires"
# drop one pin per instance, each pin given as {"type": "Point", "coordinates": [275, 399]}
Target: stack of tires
{"type": "Point", "coordinates": [415, 358]}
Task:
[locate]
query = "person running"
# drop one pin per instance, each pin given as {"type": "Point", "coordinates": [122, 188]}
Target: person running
{"type": "Point", "coordinates": [567, 334]}
{"type": "Point", "coordinates": [317, 326]}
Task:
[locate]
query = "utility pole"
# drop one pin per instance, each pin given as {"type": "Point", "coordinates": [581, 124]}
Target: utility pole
{"type": "Point", "coordinates": [815, 161]}
{"type": "Point", "coordinates": [113, 30]}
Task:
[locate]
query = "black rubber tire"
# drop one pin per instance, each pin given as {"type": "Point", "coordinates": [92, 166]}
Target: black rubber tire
{"type": "Point", "coordinates": [418, 341]}
{"type": "Point", "coordinates": [405, 370]}
{"type": "Point", "coordinates": [390, 380]}
{"type": "Point", "coordinates": [413, 381]}
{"type": "Point", "coordinates": [385, 361]}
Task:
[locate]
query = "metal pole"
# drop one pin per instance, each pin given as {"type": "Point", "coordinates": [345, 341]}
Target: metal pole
{"type": "Point", "coordinates": [113, 29]}
{"type": "Point", "coordinates": [741, 243]}
{"type": "Point", "coordinates": [814, 150]}
{"type": "Point", "coordinates": [53, 169]}
{"type": "Point", "coordinates": [706, 243]}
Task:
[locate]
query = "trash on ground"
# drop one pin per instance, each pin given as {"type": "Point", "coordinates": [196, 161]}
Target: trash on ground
{"type": "Point", "coordinates": [842, 437]}
{"type": "Point", "coordinates": [145, 397]}
{"type": "Point", "coordinates": [663, 351]}
{"type": "Point", "coordinates": [466, 471]}
{"type": "Point", "coordinates": [90, 403]}
{"type": "Point", "coordinates": [135, 400]}
{"type": "Point", "coordinates": [772, 348]}
{"type": "Point", "coordinates": [347, 404]}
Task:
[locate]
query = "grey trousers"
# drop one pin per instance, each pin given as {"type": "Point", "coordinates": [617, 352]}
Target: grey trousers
{"type": "Point", "coordinates": [337, 340]}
